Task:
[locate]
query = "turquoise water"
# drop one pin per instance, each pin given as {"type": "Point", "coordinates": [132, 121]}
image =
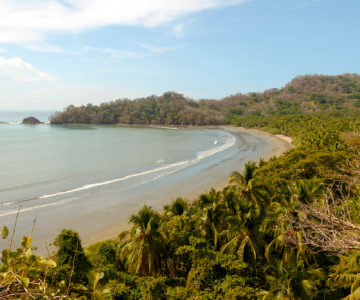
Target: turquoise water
{"type": "Point", "coordinates": [91, 178]}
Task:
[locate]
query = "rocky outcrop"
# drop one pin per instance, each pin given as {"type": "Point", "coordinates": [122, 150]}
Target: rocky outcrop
{"type": "Point", "coordinates": [31, 120]}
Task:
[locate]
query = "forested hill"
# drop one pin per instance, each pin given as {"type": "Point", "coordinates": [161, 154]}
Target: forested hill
{"type": "Point", "coordinates": [304, 94]}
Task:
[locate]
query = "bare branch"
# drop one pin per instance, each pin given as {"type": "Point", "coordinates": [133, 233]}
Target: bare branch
{"type": "Point", "coordinates": [326, 224]}
{"type": "Point", "coordinates": [13, 232]}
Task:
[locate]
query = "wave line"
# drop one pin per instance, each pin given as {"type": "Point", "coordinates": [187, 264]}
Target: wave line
{"type": "Point", "coordinates": [181, 164]}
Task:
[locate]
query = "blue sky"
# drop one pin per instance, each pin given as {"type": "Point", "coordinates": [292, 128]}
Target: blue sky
{"type": "Point", "coordinates": [61, 52]}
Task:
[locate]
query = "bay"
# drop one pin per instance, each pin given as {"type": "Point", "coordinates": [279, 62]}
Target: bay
{"type": "Point", "coordinates": [91, 178]}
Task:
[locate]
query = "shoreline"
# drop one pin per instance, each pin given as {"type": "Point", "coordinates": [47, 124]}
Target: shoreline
{"type": "Point", "coordinates": [103, 213]}
{"type": "Point", "coordinates": [286, 140]}
{"type": "Point", "coordinates": [280, 144]}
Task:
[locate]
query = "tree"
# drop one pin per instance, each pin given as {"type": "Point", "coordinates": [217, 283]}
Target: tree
{"type": "Point", "coordinates": [212, 213]}
{"type": "Point", "coordinates": [72, 263]}
{"type": "Point", "coordinates": [248, 186]}
{"type": "Point", "coordinates": [292, 279]}
{"type": "Point", "coordinates": [143, 251]}
{"type": "Point", "coordinates": [241, 233]}
{"type": "Point", "coordinates": [177, 207]}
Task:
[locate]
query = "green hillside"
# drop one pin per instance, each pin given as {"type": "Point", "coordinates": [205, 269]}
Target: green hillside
{"type": "Point", "coordinates": [304, 94]}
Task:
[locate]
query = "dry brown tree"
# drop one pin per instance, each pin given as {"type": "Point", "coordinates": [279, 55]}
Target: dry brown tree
{"type": "Point", "coordinates": [329, 223]}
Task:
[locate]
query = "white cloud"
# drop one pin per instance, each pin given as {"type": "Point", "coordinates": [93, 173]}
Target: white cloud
{"type": "Point", "coordinates": [19, 70]}
{"type": "Point", "coordinates": [159, 49]}
{"type": "Point", "coordinates": [43, 47]}
{"type": "Point", "coordinates": [119, 55]}
{"type": "Point", "coordinates": [26, 22]}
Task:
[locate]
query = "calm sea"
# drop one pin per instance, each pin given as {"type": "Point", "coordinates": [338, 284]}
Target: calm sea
{"type": "Point", "coordinates": [91, 177]}
{"type": "Point", "coordinates": [16, 116]}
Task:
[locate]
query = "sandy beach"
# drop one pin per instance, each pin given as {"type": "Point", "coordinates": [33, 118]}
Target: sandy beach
{"type": "Point", "coordinates": [282, 143]}
{"type": "Point", "coordinates": [190, 190]}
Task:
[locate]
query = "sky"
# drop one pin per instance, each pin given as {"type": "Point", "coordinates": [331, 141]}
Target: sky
{"type": "Point", "coordinates": [54, 53]}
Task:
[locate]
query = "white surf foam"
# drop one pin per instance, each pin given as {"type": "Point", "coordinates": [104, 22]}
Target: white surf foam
{"type": "Point", "coordinates": [13, 212]}
{"type": "Point", "coordinates": [89, 186]}
{"type": "Point", "coordinates": [172, 167]}
{"type": "Point", "coordinates": [231, 142]}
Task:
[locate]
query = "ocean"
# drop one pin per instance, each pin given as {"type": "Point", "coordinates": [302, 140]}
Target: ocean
{"type": "Point", "coordinates": [91, 178]}
{"type": "Point", "coordinates": [16, 116]}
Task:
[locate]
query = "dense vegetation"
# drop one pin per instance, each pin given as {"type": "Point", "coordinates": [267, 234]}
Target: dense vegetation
{"type": "Point", "coordinates": [304, 94]}
{"type": "Point", "coordinates": [288, 228]}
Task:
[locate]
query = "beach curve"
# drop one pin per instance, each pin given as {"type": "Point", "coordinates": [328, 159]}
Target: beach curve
{"type": "Point", "coordinates": [280, 144]}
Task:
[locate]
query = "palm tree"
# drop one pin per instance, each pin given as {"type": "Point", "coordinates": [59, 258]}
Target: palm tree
{"type": "Point", "coordinates": [306, 190]}
{"type": "Point", "coordinates": [346, 275]}
{"type": "Point", "coordinates": [244, 180]}
{"type": "Point", "coordinates": [177, 207]}
{"type": "Point", "coordinates": [212, 210]}
{"type": "Point", "coordinates": [144, 249]}
{"type": "Point", "coordinates": [245, 204]}
{"type": "Point", "coordinates": [292, 278]}
{"type": "Point", "coordinates": [292, 272]}
{"type": "Point", "coordinates": [249, 186]}
{"type": "Point", "coordinates": [241, 233]}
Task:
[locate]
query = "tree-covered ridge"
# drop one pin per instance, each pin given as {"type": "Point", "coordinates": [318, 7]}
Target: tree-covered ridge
{"type": "Point", "coordinates": [304, 94]}
{"type": "Point", "coordinates": [288, 228]}
{"type": "Point", "coordinates": [170, 109]}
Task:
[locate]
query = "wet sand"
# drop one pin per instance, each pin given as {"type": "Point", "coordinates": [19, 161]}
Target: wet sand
{"type": "Point", "coordinates": [216, 177]}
